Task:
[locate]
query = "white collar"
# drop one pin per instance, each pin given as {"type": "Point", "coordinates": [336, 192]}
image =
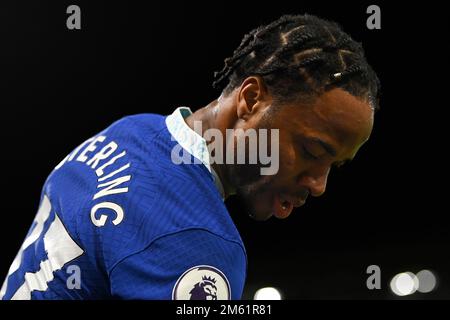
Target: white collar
{"type": "Point", "coordinates": [191, 141]}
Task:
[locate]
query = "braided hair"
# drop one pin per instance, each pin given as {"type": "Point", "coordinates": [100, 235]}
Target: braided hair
{"type": "Point", "coordinates": [301, 56]}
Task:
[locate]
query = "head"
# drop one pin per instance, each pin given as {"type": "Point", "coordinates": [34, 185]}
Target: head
{"type": "Point", "coordinates": [304, 76]}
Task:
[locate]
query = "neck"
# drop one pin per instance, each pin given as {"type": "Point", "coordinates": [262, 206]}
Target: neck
{"type": "Point", "coordinates": [219, 114]}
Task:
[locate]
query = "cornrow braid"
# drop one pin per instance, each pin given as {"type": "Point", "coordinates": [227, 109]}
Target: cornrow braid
{"type": "Point", "coordinates": [301, 56]}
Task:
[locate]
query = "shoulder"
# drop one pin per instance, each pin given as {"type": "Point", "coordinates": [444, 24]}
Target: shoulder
{"type": "Point", "coordinates": [122, 187]}
{"type": "Point", "coordinates": [192, 264]}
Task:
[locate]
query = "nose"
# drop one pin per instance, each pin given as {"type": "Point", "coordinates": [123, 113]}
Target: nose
{"type": "Point", "coordinates": [316, 183]}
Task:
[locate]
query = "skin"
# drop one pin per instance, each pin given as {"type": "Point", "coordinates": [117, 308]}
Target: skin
{"type": "Point", "coordinates": [314, 136]}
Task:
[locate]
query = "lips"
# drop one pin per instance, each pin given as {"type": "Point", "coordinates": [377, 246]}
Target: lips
{"type": "Point", "coordinates": [284, 204]}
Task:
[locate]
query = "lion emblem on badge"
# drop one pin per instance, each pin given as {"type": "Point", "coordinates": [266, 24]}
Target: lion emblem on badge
{"type": "Point", "coordinates": [204, 290]}
{"type": "Point", "coordinates": [202, 282]}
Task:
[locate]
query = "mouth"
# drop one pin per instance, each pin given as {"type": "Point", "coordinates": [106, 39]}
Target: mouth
{"type": "Point", "coordinates": [283, 205]}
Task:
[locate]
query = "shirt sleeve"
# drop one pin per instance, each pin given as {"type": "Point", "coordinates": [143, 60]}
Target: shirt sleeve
{"type": "Point", "coordinates": [188, 265]}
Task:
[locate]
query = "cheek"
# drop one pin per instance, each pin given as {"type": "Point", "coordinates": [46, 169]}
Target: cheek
{"type": "Point", "coordinates": [289, 160]}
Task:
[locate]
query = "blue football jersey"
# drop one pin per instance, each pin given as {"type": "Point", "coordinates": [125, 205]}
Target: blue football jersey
{"type": "Point", "coordinates": [118, 219]}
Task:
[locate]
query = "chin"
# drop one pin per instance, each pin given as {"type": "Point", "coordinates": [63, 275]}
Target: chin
{"type": "Point", "coordinates": [261, 216]}
{"type": "Point", "coordinates": [258, 205]}
{"type": "Point", "coordinates": [259, 213]}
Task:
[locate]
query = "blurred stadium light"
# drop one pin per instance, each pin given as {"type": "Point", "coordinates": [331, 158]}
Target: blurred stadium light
{"type": "Point", "coordinates": [268, 293]}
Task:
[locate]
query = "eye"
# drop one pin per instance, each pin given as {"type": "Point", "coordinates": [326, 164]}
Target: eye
{"type": "Point", "coordinates": [308, 154]}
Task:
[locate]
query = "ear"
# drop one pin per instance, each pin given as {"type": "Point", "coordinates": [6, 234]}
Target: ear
{"type": "Point", "coordinates": [252, 97]}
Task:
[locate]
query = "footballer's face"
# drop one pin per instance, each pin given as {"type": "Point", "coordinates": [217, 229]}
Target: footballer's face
{"type": "Point", "coordinates": [313, 138]}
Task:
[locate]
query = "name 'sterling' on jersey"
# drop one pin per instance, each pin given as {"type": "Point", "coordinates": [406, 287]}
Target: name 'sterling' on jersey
{"type": "Point", "coordinates": [100, 157]}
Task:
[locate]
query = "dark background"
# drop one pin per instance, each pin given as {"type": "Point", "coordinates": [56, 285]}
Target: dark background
{"type": "Point", "coordinates": [59, 87]}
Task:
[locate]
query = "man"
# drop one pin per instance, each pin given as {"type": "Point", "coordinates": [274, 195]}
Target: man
{"type": "Point", "coordinates": [127, 215]}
